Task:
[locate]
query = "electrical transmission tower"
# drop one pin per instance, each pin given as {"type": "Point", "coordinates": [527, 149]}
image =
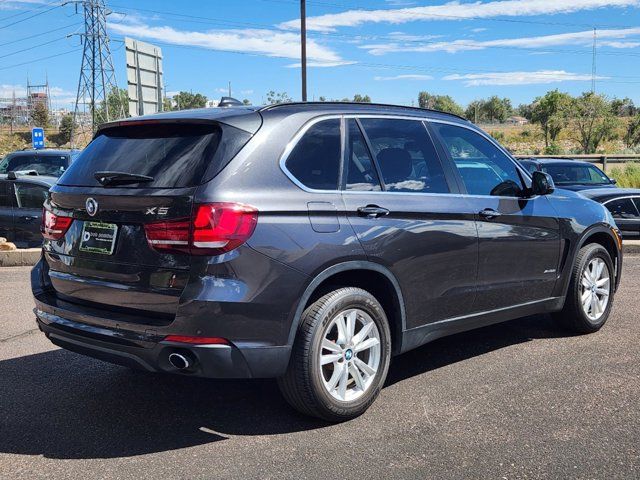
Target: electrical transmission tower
{"type": "Point", "coordinates": [97, 83]}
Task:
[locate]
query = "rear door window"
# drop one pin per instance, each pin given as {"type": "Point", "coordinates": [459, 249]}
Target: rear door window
{"type": "Point", "coordinates": [315, 159]}
{"type": "Point", "coordinates": [360, 170]}
{"type": "Point", "coordinates": [622, 208]}
{"type": "Point", "coordinates": [406, 156]}
{"type": "Point", "coordinates": [175, 155]}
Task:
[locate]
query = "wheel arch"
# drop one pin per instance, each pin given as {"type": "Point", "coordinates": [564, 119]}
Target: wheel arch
{"type": "Point", "coordinates": [372, 277]}
{"type": "Point", "coordinates": [601, 235]}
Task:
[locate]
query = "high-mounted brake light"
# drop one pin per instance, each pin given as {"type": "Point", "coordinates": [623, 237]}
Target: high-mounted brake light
{"type": "Point", "coordinates": [54, 226]}
{"type": "Point", "coordinates": [214, 228]}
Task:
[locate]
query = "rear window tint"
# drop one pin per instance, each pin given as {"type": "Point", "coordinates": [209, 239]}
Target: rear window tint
{"type": "Point", "coordinates": [175, 155]}
{"type": "Point", "coordinates": [315, 160]}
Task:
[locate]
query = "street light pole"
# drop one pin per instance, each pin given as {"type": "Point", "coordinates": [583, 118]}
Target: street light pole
{"type": "Point", "coordinates": [303, 47]}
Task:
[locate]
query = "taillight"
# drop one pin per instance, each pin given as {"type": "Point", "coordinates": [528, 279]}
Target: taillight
{"type": "Point", "coordinates": [54, 226]}
{"type": "Point", "coordinates": [214, 228]}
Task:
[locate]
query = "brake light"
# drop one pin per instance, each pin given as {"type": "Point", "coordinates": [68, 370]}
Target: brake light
{"type": "Point", "coordinates": [214, 228]}
{"type": "Point", "coordinates": [54, 226]}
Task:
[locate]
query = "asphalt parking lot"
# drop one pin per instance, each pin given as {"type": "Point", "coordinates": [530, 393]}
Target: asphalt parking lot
{"type": "Point", "coordinates": [517, 400]}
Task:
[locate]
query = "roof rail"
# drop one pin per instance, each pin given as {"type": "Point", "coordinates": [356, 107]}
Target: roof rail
{"type": "Point", "coordinates": [360, 104]}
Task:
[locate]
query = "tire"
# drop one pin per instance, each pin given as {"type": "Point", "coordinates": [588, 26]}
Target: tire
{"type": "Point", "coordinates": [307, 384]}
{"type": "Point", "coordinates": [573, 316]}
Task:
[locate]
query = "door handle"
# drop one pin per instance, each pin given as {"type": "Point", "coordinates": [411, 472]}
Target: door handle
{"type": "Point", "coordinates": [372, 211]}
{"type": "Point", "coordinates": [28, 218]}
{"type": "Point", "coordinates": [489, 213]}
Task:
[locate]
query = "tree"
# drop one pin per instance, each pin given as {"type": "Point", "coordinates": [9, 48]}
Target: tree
{"type": "Point", "coordinates": [475, 111]}
{"type": "Point", "coordinates": [594, 121]}
{"type": "Point", "coordinates": [118, 103]}
{"type": "Point", "coordinates": [167, 104]}
{"type": "Point", "coordinates": [442, 103]}
{"type": "Point", "coordinates": [187, 100]}
{"type": "Point", "coordinates": [40, 115]}
{"type": "Point", "coordinates": [66, 129]}
{"type": "Point", "coordinates": [551, 112]}
{"type": "Point", "coordinates": [322, 99]}
{"type": "Point", "coordinates": [361, 98]}
{"type": "Point", "coordinates": [497, 109]}
{"type": "Point", "coordinates": [632, 135]}
{"type": "Point", "coordinates": [278, 97]}
{"type": "Point", "coordinates": [246, 101]}
{"type": "Point", "coordinates": [623, 107]}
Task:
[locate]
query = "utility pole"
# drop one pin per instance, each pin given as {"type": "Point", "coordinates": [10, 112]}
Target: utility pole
{"type": "Point", "coordinates": [97, 76]}
{"type": "Point", "coordinates": [303, 47]}
{"type": "Point", "coordinates": [593, 63]}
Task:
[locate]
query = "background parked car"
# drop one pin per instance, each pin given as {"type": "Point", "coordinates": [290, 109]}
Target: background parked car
{"type": "Point", "coordinates": [48, 162]}
{"type": "Point", "coordinates": [570, 174]}
{"type": "Point", "coordinates": [624, 205]}
{"type": "Point", "coordinates": [21, 199]}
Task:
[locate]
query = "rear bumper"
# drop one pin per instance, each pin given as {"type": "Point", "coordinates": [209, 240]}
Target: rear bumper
{"type": "Point", "coordinates": [150, 352]}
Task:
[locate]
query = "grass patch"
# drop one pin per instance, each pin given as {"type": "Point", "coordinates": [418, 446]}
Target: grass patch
{"type": "Point", "coordinates": [627, 176]}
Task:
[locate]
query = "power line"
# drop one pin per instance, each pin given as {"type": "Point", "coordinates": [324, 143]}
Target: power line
{"type": "Point", "coordinates": [475, 46]}
{"type": "Point", "coordinates": [27, 11]}
{"type": "Point", "coordinates": [360, 64]}
{"type": "Point", "coordinates": [38, 35]}
{"type": "Point", "coordinates": [32, 16]}
{"type": "Point", "coordinates": [37, 60]}
{"type": "Point", "coordinates": [32, 47]}
{"type": "Point", "coordinates": [454, 17]}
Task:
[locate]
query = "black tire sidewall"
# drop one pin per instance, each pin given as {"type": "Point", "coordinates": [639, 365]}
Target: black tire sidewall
{"type": "Point", "coordinates": [591, 252]}
{"type": "Point", "coordinates": [364, 301]}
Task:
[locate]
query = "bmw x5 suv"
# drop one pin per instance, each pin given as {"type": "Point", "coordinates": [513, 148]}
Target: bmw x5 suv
{"type": "Point", "coordinates": [310, 243]}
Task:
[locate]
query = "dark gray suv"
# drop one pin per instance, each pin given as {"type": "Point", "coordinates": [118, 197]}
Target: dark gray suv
{"type": "Point", "coordinates": [308, 242]}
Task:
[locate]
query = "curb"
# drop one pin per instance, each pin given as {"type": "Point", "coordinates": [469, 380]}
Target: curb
{"type": "Point", "coordinates": [20, 258]}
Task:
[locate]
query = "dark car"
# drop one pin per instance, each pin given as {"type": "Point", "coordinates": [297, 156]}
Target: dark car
{"type": "Point", "coordinates": [624, 205]}
{"type": "Point", "coordinates": [572, 175]}
{"type": "Point", "coordinates": [47, 162]}
{"type": "Point", "coordinates": [21, 200]}
{"type": "Point", "coordinates": [308, 242]}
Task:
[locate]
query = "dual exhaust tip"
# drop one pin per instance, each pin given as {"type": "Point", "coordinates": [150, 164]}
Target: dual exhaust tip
{"type": "Point", "coordinates": [181, 361]}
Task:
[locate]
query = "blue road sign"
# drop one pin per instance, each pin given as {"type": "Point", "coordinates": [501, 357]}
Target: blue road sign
{"type": "Point", "coordinates": [37, 138]}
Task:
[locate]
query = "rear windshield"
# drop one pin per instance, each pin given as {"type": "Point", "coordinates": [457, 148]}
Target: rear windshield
{"type": "Point", "coordinates": [53, 165]}
{"type": "Point", "coordinates": [175, 155]}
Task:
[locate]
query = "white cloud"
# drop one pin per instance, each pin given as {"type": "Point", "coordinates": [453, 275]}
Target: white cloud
{"type": "Point", "coordinates": [454, 11]}
{"type": "Point", "coordinates": [404, 77]}
{"type": "Point", "coordinates": [478, 30]}
{"type": "Point", "coordinates": [254, 41]}
{"type": "Point", "coordinates": [584, 38]}
{"type": "Point", "coordinates": [521, 78]}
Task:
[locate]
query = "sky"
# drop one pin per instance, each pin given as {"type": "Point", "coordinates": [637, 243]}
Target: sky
{"type": "Point", "coordinates": [387, 49]}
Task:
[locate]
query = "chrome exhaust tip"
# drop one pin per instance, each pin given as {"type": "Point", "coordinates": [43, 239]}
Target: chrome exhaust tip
{"type": "Point", "coordinates": [180, 361]}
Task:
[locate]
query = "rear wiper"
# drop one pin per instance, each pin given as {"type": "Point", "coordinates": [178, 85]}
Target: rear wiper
{"type": "Point", "coordinates": [120, 178]}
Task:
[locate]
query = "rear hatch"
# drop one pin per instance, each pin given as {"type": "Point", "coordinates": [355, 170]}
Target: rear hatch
{"type": "Point", "coordinates": [109, 243]}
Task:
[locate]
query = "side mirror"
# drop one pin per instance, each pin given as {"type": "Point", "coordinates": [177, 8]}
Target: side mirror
{"type": "Point", "coordinates": [613, 181]}
{"type": "Point", "coordinates": [542, 183]}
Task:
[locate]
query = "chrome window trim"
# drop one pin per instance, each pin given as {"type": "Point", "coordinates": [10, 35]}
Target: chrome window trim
{"type": "Point", "coordinates": [300, 133]}
{"type": "Point", "coordinates": [626, 197]}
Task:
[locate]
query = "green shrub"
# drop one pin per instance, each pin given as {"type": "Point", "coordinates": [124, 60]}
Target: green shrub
{"type": "Point", "coordinates": [553, 149]}
{"type": "Point", "coordinates": [627, 176]}
{"type": "Point", "coordinates": [499, 136]}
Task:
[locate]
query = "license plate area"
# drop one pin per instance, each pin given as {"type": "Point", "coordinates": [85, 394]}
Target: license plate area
{"type": "Point", "coordinates": [98, 237]}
